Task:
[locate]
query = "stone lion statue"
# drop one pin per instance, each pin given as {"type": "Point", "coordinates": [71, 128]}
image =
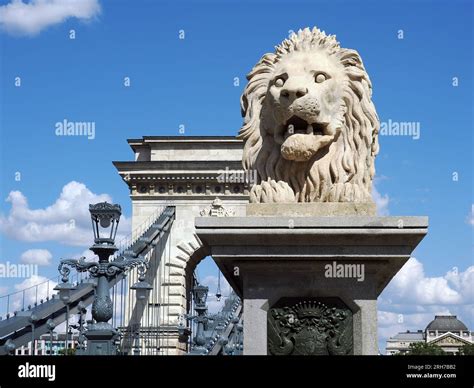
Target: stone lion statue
{"type": "Point", "coordinates": [310, 127]}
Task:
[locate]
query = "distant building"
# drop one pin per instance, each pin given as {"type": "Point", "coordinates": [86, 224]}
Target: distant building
{"type": "Point", "coordinates": [47, 345]}
{"type": "Point", "coordinates": [446, 331]}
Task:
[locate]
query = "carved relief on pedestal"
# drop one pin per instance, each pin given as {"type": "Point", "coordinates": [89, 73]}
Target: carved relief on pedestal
{"type": "Point", "coordinates": [315, 326]}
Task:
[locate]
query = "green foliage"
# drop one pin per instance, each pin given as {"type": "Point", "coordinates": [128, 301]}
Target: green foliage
{"type": "Point", "coordinates": [69, 352]}
{"type": "Point", "coordinates": [467, 350]}
{"type": "Point", "coordinates": [425, 349]}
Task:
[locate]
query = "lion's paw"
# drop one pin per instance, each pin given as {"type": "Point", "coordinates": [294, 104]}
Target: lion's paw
{"type": "Point", "coordinates": [271, 191]}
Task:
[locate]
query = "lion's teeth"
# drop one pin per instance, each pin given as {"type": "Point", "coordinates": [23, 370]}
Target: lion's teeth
{"type": "Point", "coordinates": [291, 128]}
{"type": "Point", "coordinates": [309, 129]}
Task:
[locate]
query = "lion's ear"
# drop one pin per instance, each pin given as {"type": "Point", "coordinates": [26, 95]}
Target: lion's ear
{"type": "Point", "coordinates": [349, 57]}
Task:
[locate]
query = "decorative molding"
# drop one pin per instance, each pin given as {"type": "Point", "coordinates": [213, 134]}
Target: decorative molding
{"type": "Point", "coordinates": [189, 186]}
{"type": "Point", "coordinates": [450, 339]}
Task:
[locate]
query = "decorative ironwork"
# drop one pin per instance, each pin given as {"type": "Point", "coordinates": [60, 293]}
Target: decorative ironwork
{"type": "Point", "coordinates": [96, 269]}
{"type": "Point", "coordinates": [318, 326]}
{"type": "Point", "coordinates": [105, 215]}
{"type": "Point", "coordinates": [201, 319]}
{"type": "Point", "coordinates": [200, 296]}
{"type": "Point", "coordinates": [102, 308]}
{"type": "Point", "coordinates": [80, 327]}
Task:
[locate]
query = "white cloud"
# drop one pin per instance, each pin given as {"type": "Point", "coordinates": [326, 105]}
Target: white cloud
{"type": "Point", "coordinates": [411, 286]}
{"type": "Point", "coordinates": [36, 256]}
{"type": "Point", "coordinates": [31, 18]}
{"type": "Point", "coordinates": [381, 201]}
{"type": "Point", "coordinates": [412, 299]}
{"type": "Point", "coordinates": [470, 217]}
{"type": "Point", "coordinates": [66, 221]}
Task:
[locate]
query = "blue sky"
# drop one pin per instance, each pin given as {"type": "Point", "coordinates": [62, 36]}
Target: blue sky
{"type": "Point", "coordinates": [190, 82]}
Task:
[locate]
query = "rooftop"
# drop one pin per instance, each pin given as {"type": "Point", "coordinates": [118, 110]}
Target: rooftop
{"type": "Point", "coordinates": [446, 323]}
{"type": "Point", "coordinates": [409, 336]}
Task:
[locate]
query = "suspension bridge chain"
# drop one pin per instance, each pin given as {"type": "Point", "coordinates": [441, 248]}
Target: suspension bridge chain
{"type": "Point", "coordinates": [214, 334]}
{"type": "Point", "coordinates": [224, 334]}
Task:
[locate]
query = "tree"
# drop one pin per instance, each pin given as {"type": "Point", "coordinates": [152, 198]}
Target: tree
{"type": "Point", "coordinates": [423, 348]}
{"type": "Point", "coordinates": [467, 350]}
{"type": "Point", "coordinates": [69, 352]}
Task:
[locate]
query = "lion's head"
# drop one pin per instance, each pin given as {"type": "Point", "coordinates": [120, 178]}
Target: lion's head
{"type": "Point", "coordinates": [310, 128]}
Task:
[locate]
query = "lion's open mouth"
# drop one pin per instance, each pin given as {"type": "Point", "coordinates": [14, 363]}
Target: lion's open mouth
{"type": "Point", "coordinates": [298, 125]}
{"type": "Point", "coordinates": [300, 139]}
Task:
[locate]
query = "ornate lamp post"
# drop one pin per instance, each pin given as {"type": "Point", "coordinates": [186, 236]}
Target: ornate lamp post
{"type": "Point", "coordinates": [200, 297]}
{"type": "Point", "coordinates": [64, 290]}
{"type": "Point", "coordinates": [80, 349]}
{"type": "Point", "coordinates": [105, 220]}
{"type": "Point", "coordinates": [50, 325]}
{"type": "Point", "coordinates": [141, 288]}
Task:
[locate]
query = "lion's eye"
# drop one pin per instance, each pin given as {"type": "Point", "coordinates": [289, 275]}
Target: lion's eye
{"type": "Point", "coordinates": [320, 77]}
{"type": "Point", "coordinates": [279, 82]}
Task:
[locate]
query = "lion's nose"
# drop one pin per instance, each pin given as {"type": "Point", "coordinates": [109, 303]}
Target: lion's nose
{"type": "Point", "coordinates": [293, 93]}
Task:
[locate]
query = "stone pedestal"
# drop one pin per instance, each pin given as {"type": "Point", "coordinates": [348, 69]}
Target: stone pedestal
{"type": "Point", "coordinates": [100, 342]}
{"type": "Point", "coordinates": [307, 259]}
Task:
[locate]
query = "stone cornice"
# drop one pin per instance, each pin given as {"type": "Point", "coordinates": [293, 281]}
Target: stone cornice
{"type": "Point", "coordinates": [190, 179]}
{"type": "Point", "coordinates": [155, 183]}
{"type": "Point", "coordinates": [188, 166]}
{"type": "Point", "coordinates": [231, 141]}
